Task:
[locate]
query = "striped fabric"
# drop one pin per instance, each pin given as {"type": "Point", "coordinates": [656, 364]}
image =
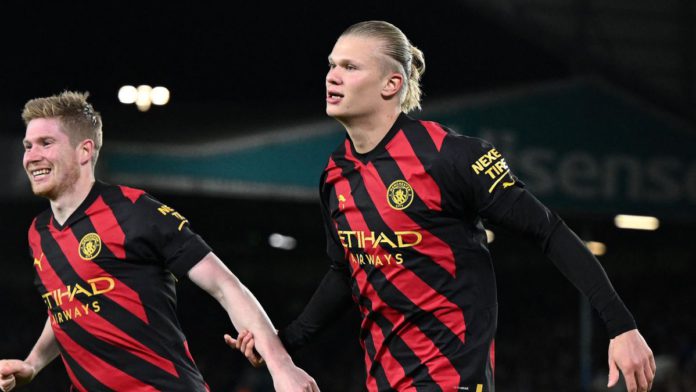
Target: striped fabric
{"type": "Point", "coordinates": [404, 221]}
{"type": "Point", "coordinates": [107, 277]}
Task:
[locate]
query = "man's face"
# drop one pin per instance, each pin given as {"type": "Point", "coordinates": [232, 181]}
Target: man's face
{"type": "Point", "coordinates": [356, 77]}
{"type": "Point", "coordinates": [50, 161]}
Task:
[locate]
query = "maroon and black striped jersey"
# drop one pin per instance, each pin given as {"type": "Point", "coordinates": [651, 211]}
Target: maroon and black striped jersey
{"type": "Point", "coordinates": [404, 220]}
{"type": "Point", "coordinates": [107, 276]}
{"type": "Point", "coordinates": [406, 242]}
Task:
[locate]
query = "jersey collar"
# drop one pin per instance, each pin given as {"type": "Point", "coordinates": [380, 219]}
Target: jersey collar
{"type": "Point", "coordinates": [381, 146]}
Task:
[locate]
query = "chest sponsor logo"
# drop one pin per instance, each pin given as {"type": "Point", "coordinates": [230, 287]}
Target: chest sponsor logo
{"type": "Point", "coordinates": [361, 246]}
{"type": "Point", "coordinates": [90, 246]}
{"type": "Point", "coordinates": [399, 195]}
{"type": "Point", "coordinates": [77, 300]}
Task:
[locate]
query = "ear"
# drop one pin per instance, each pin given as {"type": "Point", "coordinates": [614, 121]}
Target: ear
{"type": "Point", "coordinates": [393, 83]}
{"type": "Point", "coordinates": [85, 151]}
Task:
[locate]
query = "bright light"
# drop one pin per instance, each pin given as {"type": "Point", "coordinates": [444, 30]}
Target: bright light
{"type": "Point", "coordinates": [280, 241]}
{"type": "Point", "coordinates": [144, 96]}
{"type": "Point", "coordinates": [636, 222]}
{"type": "Point", "coordinates": [159, 95]}
{"type": "Point", "coordinates": [597, 248]}
{"type": "Point", "coordinates": [490, 236]}
{"type": "Point", "coordinates": [127, 94]}
{"type": "Point", "coordinates": [143, 101]}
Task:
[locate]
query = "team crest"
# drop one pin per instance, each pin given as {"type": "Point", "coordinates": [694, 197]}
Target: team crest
{"type": "Point", "coordinates": [90, 246]}
{"type": "Point", "coordinates": [399, 195]}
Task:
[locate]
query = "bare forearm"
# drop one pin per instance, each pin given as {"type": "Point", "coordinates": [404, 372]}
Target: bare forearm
{"type": "Point", "coordinates": [244, 310]}
{"type": "Point", "coordinates": [246, 313]}
{"type": "Point", "coordinates": [45, 350]}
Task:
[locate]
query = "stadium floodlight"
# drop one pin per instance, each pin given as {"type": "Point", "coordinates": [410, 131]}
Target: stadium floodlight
{"type": "Point", "coordinates": [144, 96]}
{"type": "Point", "coordinates": [127, 94]}
{"type": "Point", "coordinates": [159, 95]}
{"type": "Point", "coordinates": [636, 222]}
{"type": "Point", "coordinates": [143, 101]}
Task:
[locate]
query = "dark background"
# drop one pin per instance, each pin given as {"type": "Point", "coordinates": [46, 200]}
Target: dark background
{"type": "Point", "coordinates": [262, 64]}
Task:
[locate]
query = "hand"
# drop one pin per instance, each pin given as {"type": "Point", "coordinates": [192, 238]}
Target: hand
{"type": "Point", "coordinates": [630, 353]}
{"type": "Point", "coordinates": [290, 378]}
{"type": "Point", "coordinates": [15, 373]}
{"type": "Point", "coordinates": [245, 344]}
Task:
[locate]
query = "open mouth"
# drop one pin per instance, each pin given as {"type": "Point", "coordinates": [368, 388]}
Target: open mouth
{"type": "Point", "coordinates": [333, 97]}
{"type": "Point", "coordinates": [40, 173]}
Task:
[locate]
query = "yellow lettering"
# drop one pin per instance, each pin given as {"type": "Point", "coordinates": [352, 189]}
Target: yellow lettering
{"type": "Point", "coordinates": [343, 236]}
{"type": "Point", "coordinates": [501, 165]}
{"type": "Point", "coordinates": [399, 258]}
{"type": "Point", "coordinates": [384, 239]}
{"type": "Point", "coordinates": [77, 288]}
{"type": "Point", "coordinates": [85, 308]}
{"type": "Point", "coordinates": [110, 284]}
{"type": "Point", "coordinates": [485, 160]}
{"type": "Point", "coordinates": [403, 244]}
{"type": "Point", "coordinates": [378, 261]}
{"type": "Point", "coordinates": [47, 299]}
{"type": "Point", "coordinates": [371, 238]}
{"type": "Point", "coordinates": [96, 307]}
{"type": "Point", "coordinates": [388, 257]}
{"type": "Point", "coordinates": [370, 259]}
{"type": "Point", "coordinates": [164, 210]}
{"type": "Point", "coordinates": [58, 295]}
{"type": "Point", "coordinates": [362, 260]}
{"type": "Point", "coordinates": [60, 318]}
{"type": "Point", "coordinates": [77, 313]}
{"type": "Point", "coordinates": [492, 172]}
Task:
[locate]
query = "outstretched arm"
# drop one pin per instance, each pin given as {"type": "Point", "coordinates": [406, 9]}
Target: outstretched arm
{"type": "Point", "coordinates": [329, 302]}
{"type": "Point", "coordinates": [247, 314]}
{"type": "Point", "coordinates": [628, 350]}
{"type": "Point", "coordinates": [15, 372]}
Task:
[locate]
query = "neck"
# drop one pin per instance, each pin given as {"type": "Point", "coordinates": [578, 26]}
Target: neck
{"type": "Point", "coordinates": [366, 133]}
{"type": "Point", "coordinates": [64, 205]}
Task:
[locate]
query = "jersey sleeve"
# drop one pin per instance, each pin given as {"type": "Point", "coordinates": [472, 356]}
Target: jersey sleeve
{"type": "Point", "coordinates": [482, 175]}
{"type": "Point", "coordinates": [165, 234]}
{"type": "Point", "coordinates": [333, 296]}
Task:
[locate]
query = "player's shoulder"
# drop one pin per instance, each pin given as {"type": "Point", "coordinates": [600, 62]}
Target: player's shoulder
{"type": "Point", "coordinates": [127, 201]}
{"type": "Point", "coordinates": [336, 158]}
{"type": "Point", "coordinates": [41, 220]}
{"type": "Point", "coordinates": [130, 193]}
{"type": "Point", "coordinates": [460, 147]}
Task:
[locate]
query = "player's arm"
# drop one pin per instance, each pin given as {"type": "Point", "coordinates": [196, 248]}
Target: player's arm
{"type": "Point", "coordinates": [521, 211]}
{"type": "Point", "coordinates": [487, 184]}
{"type": "Point", "coordinates": [247, 314]}
{"type": "Point", "coordinates": [333, 296]}
{"type": "Point", "coordinates": [329, 302]}
{"type": "Point", "coordinates": [15, 372]}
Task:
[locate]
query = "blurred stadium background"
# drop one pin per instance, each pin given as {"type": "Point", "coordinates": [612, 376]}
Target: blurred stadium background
{"type": "Point", "coordinates": [593, 102]}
